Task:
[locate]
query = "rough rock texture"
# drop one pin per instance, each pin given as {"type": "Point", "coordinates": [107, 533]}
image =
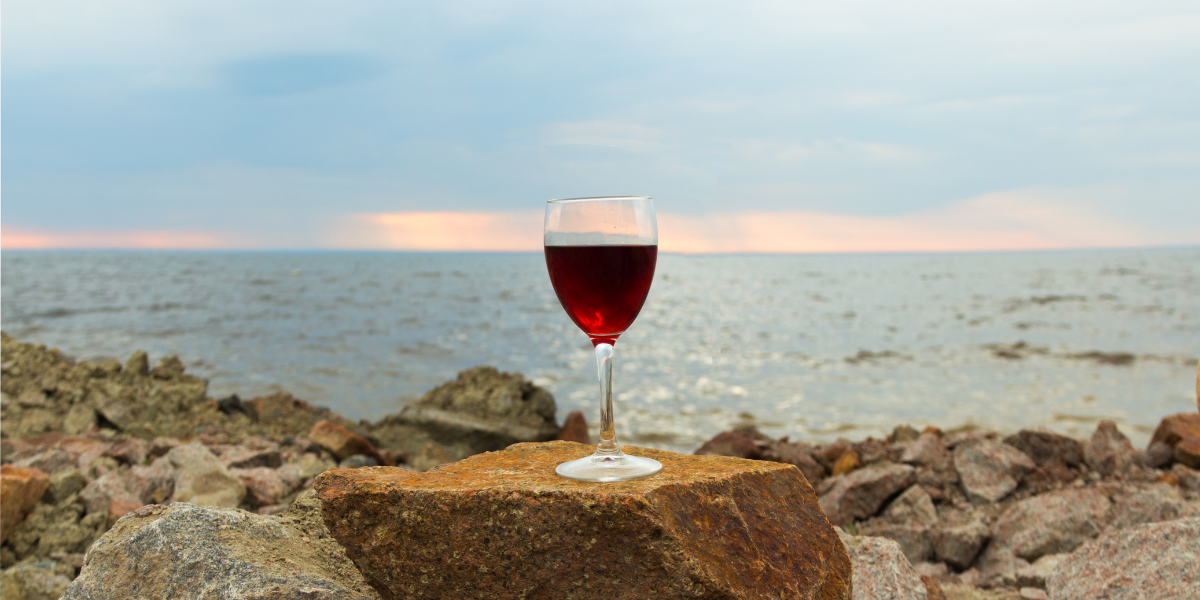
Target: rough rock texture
{"type": "Point", "coordinates": [20, 488]}
{"type": "Point", "coordinates": [342, 442]}
{"type": "Point", "coordinates": [909, 521]}
{"type": "Point", "coordinates": [503, 524]}
{"type": "Point", "coordinates": [1157, 560]}
{"type": "Point", "coordinates": [1036, 574]}
{"type": "Point", "coordinates": [926, 451]}
{"type": "Point", "coordinates": [990, 470]}
{"type": "Point", "coordinates": [860, 494]}
{"type": "Point", "coordinates": [35, 580]}
{"type": "Point", "coordinates": [1109, 452]}
{"type": "Point", "coordinates": [57, 528]}
{"type": "Point", "coordinates": [1051, 523]}
{"type": "Point", "coordinates": [1043, 446]}
{"type": "Point", "coordinates": [880, 570]}
{"type": "Point", "coordinates": [958, 545]}
{"type": "Point", "coordinates": [186, 551]}
{"type": "Point", "coordinates": [480, 411]}
{"type": "Point", "coordinates": [1151, 504]}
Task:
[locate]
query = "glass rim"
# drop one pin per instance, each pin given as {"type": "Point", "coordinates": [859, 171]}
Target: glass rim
{"type": "Point", "coordinates": [596, 199]}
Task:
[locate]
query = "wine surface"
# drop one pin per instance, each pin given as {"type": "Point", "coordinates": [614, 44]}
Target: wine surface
{"type": "Point", "coordinates": [602, 288]}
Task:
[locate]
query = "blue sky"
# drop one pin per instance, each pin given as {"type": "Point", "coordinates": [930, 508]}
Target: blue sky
{"type": "Point", "coordinates": [259, 124]}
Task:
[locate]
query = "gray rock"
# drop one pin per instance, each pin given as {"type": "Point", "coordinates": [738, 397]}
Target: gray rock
{"type": "Point", "coordinates": [1189, 478]}
{"type": "Point", "coordinates": [1036, 574]}
{"type": "Point", "coordinates": [1109, 452]}
{"type": "Point", "coordinates": [1151, 504]}
{"type": "Point", "coordinates": [908, 521]}
{"type": "Point", "coordinates": [880, 570]}
{"type": "Point", "coordinates": [990, 470]}
{"type": "Point", "coordinates": [186, 551]}
{"type": "Point", "coordinates": [860, 494]}
{"type": "Point", "coordinates": [1159, 455]}
{"type": "Point", "coordinates": [480, 411]}
{"type": "Point", "coordinates": [915, 542]}
{"type": "Point", "coordinates": [913, 507]}
{"type": "Point", "coordinates": [57, 528]}
{"type": "Point", "coordinates": [63, 484]}
{"type": "Point", "coordinates": [201, 479]}
{"type": "Point", "coordinates": [926, 451]}
{"type": "Point", "coordinates": [1051, 523]}
{"type": "Point", "coordinates": [1156, 560]}
{"type": "Point", "coordinates": [35, 580]}
{"type": "Point", "coordinates": [958, 545]}
{"type": "Point", "coordinates": [1042, 446]}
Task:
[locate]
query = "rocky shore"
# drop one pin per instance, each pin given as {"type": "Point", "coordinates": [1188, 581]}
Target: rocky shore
{"type": "Point", "coordinates": [110, 470]}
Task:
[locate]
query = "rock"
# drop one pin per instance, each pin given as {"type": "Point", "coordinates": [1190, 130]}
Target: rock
{"type": "Point", "coordinates": [20, 488]}
{"type": "Point", "coordinates": [64, 484]}
{"type": "Point", "coordinates": [188, 551]}
{"type": "Point", "coordinates": [251, 456]}
{"type": "Point", "coordinates": [880, 570]}
{"type": "Point", "coordinates": [742, 442]}
{"type": "Point", "coordinates": [933, 590]}
{"type": "Point", "coordinates": [968, 436]}
{"type": "Point", "coordinates": [482, 410]}
{"type": "Point", "coordinates": [958, 545]}
{"type": "Point", "coordinates": [1156, 560]}
{"type": "Point", "coordinates": [958, 591]}
{"type": "Point", "coordinates": [871, 451]}
{"type": "Point", "coordinates": [902, 434]}
{"type": "Point", "coordinates": [357, 461]}
{"type": "Point", "coordinates": [1051, 523]}
{"type": "Point", "coordinates": [1189, 479]}
{"type": "Point", "coordinates": [926, 451]}
{"type": "Point", "coordinates": [38, 580]}
{"type": "Point", "coordinates": [908, 521]}
{"type": "Point", "coordinates": [202, 479]}
{"type": "Point", "coordinates": [1032, 593]}
{"type": "Point", "coordinates": [860, 494]}
{"type": "Point", "coordinates": [829, 455]}
{"type": "Point", "coordinates": [57, 528]}
{"type": "Point", "coordinates": [1151, 504]}
{"type": "Point", "coordinates": [107, 493]}
{"type": "Point", "coordinates": [799, 455]}
{"type": "Point", "coordinates": [341, 442]}
{"type": "Point", "coordinates": [153, 483]}
{"type": "Point", "coordinates": [1036, 574]}
{"type": "Point", "coordinates": [264, 487]}
{"type": "Point", "coordinates": [53, 460]}
{"type": "Point", "coordinates": [1042, 446]}
{"type": "Point", "coordinates": [990, 470]}
{"type": "Point", "coordinates": [575, 429]}
{"type": "Point", "coordinates": [1109, 452]}
{"type": "Point", "coordinates": [847, 463]}
{"type": "Point", "coordinates": [706, 526]}
{"type": "Point", "coordinates": [1188, 452]}
{"type": "Point", "coordinates": [1171, 430]}
{"type": "Point", "coordinates": [295, 473]}
{"type": "Point", "coordinates": [1159, 455]}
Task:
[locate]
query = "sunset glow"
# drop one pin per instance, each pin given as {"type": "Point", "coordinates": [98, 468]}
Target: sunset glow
{"type": "Point", "coordinates": [23, 238]}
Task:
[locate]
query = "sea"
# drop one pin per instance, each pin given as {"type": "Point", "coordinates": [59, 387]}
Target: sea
{"type": "Point", "coordinates": [814, 347]}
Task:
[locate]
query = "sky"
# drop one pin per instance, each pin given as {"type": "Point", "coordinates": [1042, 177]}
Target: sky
{"type": "Point", "coordinates": [858, 126]}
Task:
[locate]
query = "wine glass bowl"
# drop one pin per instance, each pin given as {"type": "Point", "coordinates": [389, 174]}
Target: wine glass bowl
{"type": "Point", "coordinates": [600, 254]}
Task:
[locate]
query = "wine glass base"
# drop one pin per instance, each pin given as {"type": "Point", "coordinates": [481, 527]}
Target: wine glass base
{"type": "Point", "coordinates": [606, 468]}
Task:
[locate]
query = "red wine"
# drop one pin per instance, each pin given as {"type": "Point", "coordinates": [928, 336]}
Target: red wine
{"type": "Point", "coordinates": [602, 288]}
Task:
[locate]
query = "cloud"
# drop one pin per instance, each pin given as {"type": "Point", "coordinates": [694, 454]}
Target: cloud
{"type": "Point", "coordinates": [1028, 219]}
{"type": "Point", "coordinates": [23, 238]}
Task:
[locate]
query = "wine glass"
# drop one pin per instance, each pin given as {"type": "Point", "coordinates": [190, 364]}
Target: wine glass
{"type": "Point", "coordinates": [601, 254]}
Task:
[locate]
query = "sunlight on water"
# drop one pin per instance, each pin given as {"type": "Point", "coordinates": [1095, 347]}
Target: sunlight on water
{"type": "Point", "coordinates": [816, 347]}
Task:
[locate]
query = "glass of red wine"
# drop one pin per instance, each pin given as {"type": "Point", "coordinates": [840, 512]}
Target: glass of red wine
{"type": "Point", "coordinates": [601, 254]}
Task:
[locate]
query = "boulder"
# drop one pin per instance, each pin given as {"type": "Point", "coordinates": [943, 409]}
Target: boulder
{"type": "Point", "coordinates": [482, 410]}
{"type": "Point", "coordinates": [1051, 523]}
{"type": "Point", "coordinates": [341, 442]}
{"type": "Point", "coordinates": [35, 580]}
{"type": "Point", "coordinates": [880, 570]}
{"type": "Point", "coordinates": [909, 521]}
{"type": "Point", "coordinates": [1043, 446]}
{"type": "Point", "coordinates": [1150, 504]}
{"type": "Point", "coordinates": [575, 429]}
{"type": "Point", "coordinates": [705, 526]}
{"type": "Point", "coordinates": [958, 545]}
{"type": "Point", "coordinates": [1109, 452]}
{"type": "Point", "coordinates": [1155, 560]}
{"type": "Point", "coordinates": [926, 451]}
{"type": "Point", "coordinates": [187, 551]}
{"type": "Point", "coordinates": [743, 442]}
{"type": "Point", "coordinates": [1175, 428]}
{"type": "Point", "coordinates": [990, 470]}
{"type": "Point", "coordinates": [860, 494]}
{"type": "Point", "coordinates": [20, 488]}
{"type": "Point", "coordinates": [201, 479]}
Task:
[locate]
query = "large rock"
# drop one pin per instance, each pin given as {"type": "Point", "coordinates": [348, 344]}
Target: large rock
{"type": "Point", "coordinates": [185, 551]}
{"type": "Point", "coordinates": [860, 494]}
{"type": "Point", "coordinates": [480, 411]}
{"type": "Point", "coordinates": [1108, 451]}
{"type": "Point", "coordinates": [1180, 433]}
{"type": "Point", "coordinates": [20, 488]}
{"type": "Point", "coordinates": [201, 479]}
{"type": "Point", "coordinates": [1157, 560]}
{"type": "Point", "coordinates": [880, 570]}
{"type": "Point", "coordinates": [503, 524]}
{"type": "Point", "coordinates": [1051, 523]}
{"type": "Point", "coordinates": [990, 470]}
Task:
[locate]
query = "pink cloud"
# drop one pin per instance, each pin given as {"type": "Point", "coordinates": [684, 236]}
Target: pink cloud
{"type": "Point", "coordinates": [440, 231]}
{"type": "Point", "coordinates": [24, 238]}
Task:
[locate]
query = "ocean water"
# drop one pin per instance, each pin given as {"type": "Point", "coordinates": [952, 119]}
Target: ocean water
{"type": "Point", "coordinates": [815, 347]}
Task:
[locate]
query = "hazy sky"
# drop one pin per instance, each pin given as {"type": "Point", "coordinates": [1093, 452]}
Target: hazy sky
{"type": "Point", "coordinates": [766, 126]}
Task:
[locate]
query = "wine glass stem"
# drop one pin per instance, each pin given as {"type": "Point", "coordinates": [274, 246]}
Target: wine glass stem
{"type": "Point", "coordinates": [608, 432]}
